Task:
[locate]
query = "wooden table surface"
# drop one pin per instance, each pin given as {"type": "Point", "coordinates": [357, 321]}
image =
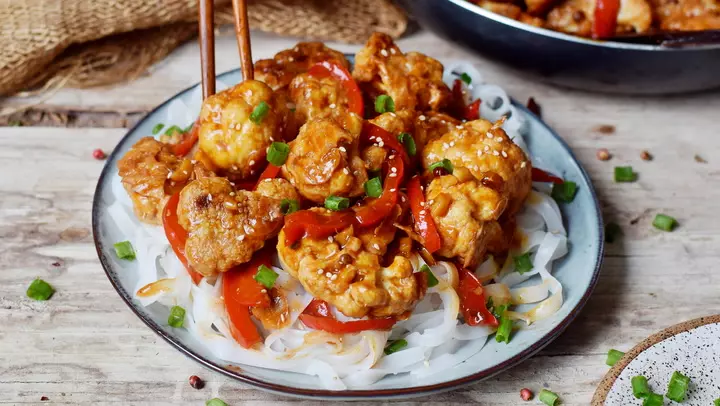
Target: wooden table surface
{"type": "Point", "coordinates": [84, 346]}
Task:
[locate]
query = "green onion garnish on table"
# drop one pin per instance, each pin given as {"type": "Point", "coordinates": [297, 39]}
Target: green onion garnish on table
{"type": "Point", "coordinates": [678, 386]}
{"type": "Point", "coordinates": [176, 317]}
{"type": "Point", "coordinates": [384, 104]}
{"type": "Point", "coordinates": [39, 290]}
{"type": "Point", "coordinates": [653, 399]}
{"type": "Point", "coordinates": [266, 276]}
{"type": "Point", "coordinates": [523, 263]}
{"type": "Point", "coordinates": [504, 330]}
{"type": "Point", "coordinates": [548, 397]}
{"type": "Point", "coordinates": [278, 153]}
{"type": "Point", "coordinates": [259, 112]}
{"type": "Point", "coordinates": [431, 279]}
{"type": "Point", "coordinates": [395, 346]}
{"type": "Point", "coordinates": [173, 129]}
{"type": "Point", "coordinates": [215, 402]}
{"type": "Point", "coordinates": [337, 203]}
{"type": "Point", "coordinates": [288, 206]}
{"type": "Point", "coordinates": [465, 78]}
{"type": "Point", "coordinates": [613, 356]}
{"type": "Point", "coordinates": [564, 192]}
{"type": "Point", "coordinates": [640, 386]}
{"type": "Point", "coordinates": [124, 250]}
{"type": "Point", "coordinates": [408, 142]}
{"type": "Point", "coordinates": [373, 187]}
{"type": "Point", "coordinates": [717, 402]}
{"type": "Point", "coordinates": [157, 128]}
{"type": "Point", "coordinates": [444, 164]}
{"type": "Point", "coordinates": [664, 222]}
{"type": "Point", "coordinates": [625, 174]}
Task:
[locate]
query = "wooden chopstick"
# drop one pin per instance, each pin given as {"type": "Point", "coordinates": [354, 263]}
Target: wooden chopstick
{"type": "Point", "coordinates": [206, 26]}
{"type": "Point", "coordinates": [242, 32]}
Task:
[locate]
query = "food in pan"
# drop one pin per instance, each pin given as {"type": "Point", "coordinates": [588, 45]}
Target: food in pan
{"type": "Point", "coordinates": [345, 220]}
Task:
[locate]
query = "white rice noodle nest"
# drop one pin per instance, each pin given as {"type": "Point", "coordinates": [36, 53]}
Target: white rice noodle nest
{"type": "Point", "coordinates": [437, 339]}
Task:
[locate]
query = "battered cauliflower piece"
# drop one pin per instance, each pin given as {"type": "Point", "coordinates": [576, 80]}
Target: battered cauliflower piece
{"type": "Point", "coordinates": [346, 272]}
{"type": "Point", "coordinates": [317, 97]}
{"type": "Point", "coordinates": [225, 226]}
{"type": "Point", "coordinates": [424, 127]}
{"type": "Point", "coordinates": [285, 65]}
{"type": "Point", "coordinates": [413, 80]}
{"type": "Point", "coordinates": [487, 152]}
{"type": "Point", "coordinates": [324, 160]}
{"type": "Point", "coordinates": [513, 11]}
{"type": "Point", "coordinates": [151, 173]}
{"type": "Point", "coordinates": [466, 214]}
{"type": "Point", "coordinates": [576, 17]}
{"type": "Point", "coordinates": [687, 15]}
{"type": "Point", "coordinates": [228, 136]}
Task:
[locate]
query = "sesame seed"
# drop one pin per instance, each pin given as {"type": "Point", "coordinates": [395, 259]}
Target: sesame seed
{"type": "Point", "coordinates": [193, 162]}
{"type": "Point", "coordinates": [232, 193]}
{"type": "Point", "coordinates": [332, 278]}
{"type": "Point", "coordinates": [328, 275]}
{"type": "Point", "coordinates": [523, 164]}
{"type": "Point", "coordinates": [452, 143]}
{"type": "Point", "coordinates": [264, 291]}
{"type": "Point", "coordinates": [496, 153]}
{"type": "Point", "coordinates": [459, 127]}
{"type": "Point", "coordinates": [392, 190]}
{"type": "Point", "coordinates": [445, 145]}
{"type": "Point", "coordinates": [422, 204]}
{"type": "Point", "coordinates": [381, 143]}
{"type": "Point", "coordinates": [282, 317]}
{"type": "Point", "coordinates": [330, 238]}
{"type": "Point", "coordinates": [384, 52]}
{"type": "Point", "coordinates": [489, 135]}
{"type": "Point", "coordinates": [479, 152]}
{"type": "Point", "coordinates": [391, 156]}
{"type": "Point", "coordinates": [342, 149]}
{"type": "Point", "coordinates": [332, 106]}
{"type": "Point", "coordinates": [421, 118]}
{"type": "Point", "coordinates": [346, 171]}
{"type": "Point", "coordinates": [210, 197]}
{"type": "Point", "coordinates": [393, 169]}
{"type": "Point", "coordinates": [185, 172]}
{"type": "Point", "coordinates": [487, 148]}
{"type": "Point", "coordinates": [376, 246]}
{"type": "Point", "coordinates": [392, 175]}
{"type": "Point", "coordinates": [421, 212]}
{"type": "Point", "coordinates": [268, 180]}
{"type": "Point", "coordinates": [229, 204]}
{"type": "Point", "coordinates": [169, 175]}
{"type": "Point", "coordinates": [320, 271]}
{"type": "Point", "coordinates": [430, 201]}
{"type": "Point", "coordinates": [291, 59]}
{"type": "Point", "coordinates": [393, 51]}
{"type": "Point", "coordinates": [240, 237]}
{"type": "Point", "coordinates": [504, 154]}
{"type": "Point", "coordinates": [402, 198]}
{"type": "Point", "coordinates": [252, 162]}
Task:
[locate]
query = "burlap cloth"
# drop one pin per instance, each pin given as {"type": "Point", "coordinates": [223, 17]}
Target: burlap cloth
{"type": "Point", "coordinates": [82, 43]}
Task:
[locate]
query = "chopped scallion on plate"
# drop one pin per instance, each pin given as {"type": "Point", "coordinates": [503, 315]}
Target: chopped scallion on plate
{"type": "Point", "coordinates": [465, 78]}
{"type": "Point", "coordinates": [431, 279]}
{"type": "Point", "coordinates": [653, 399]}
{"type": "Point", "coordinates": [504, 330]}
{"type": "Point", "coordinates": [337, 203]}
{"type": "Point", "coordinates": [157, 128]}
{"type": "Point", "coordinates": [408, 142]}
{"type": "Point", "coordinates": [640, 386]}
{"type": "Point", "coordinates": [395, 346]}
{"type": "Point", "coordinates": [564, 192]}
{"type": "Point", "coordinates": [625, 174]}
{"type": "Point", "coordinates": [548, 397]}
{"type": "Point", "coordinates": [523, 263]}
{"type": "Point", "coordinates": [215, 402]}
{"type": "Point", "coordinates": [613, 356]}
{"type": "Point", "coordinates": [176, 317]}
{"type": "Point", "coordinates": [664, 222]}
{"type": "Point", "coordinates": [124, 250]}
{"type": "Point", "coordinates": [444, 164]}
{"type": "Point", "coordinates": [373, 187]}
{"type": "Point", "coordinates": [278, 153]}
{"type": "Point", "coordinates": [39, 290]}
{"type": "Point", "coordinates": [288, 206]}
{"type": "Point", "coordinates": [259, 112]}
{"type": "Point", "coordinates": [173, 129]}
{"type": "Point", "coordinates": [384, 104]}
{"type": "Point", "coordinates": [266, 276]}
{"type": "Point", "coordinates": [678, 386]}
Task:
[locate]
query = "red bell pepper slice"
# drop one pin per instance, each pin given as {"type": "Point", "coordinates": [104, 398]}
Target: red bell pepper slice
{"type": "Point", "coordinates": [375, 134]}
{"type": "Point", "coordinates": [605, 18]}
{"type": "Point", "coordinates": [472, 111]}
{"type": "Point", "coordinates": [240, 286]}
{"type": "Point", "coordinates": [472, 300]}
{"type": "Point", "coordinates": [176, 235]}
{"type": "Point", "coordinates": [189, 139]}
{"type": "Point", "coordinates": [468, 112]}
{"type": "Point", "coordinates": [337, 71]}
{"type": "Point", "coordinates": [270, 172]}
{"type": "Point", "coordinates": [241, 326]}
{"type": "Point", "coordinates": [424, 223]}
{"type": "Point", "coordinates": [317, 316]}
{"type": "Point", "coordinates": [375, 210]}
{"type": "Point", "coordinates": [306, 223]}
{"type": "Point", "coordinates": [539, 175]}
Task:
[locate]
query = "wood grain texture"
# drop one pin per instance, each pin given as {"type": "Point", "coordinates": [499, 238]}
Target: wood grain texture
{"type": "Point", "coordinates": [84, 346]}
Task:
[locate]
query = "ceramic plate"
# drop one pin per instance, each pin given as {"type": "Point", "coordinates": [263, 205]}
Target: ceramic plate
{"type": "Point", "coordinates": [691, 348]}
{"type": "Point", "coordinates": [577, 271]}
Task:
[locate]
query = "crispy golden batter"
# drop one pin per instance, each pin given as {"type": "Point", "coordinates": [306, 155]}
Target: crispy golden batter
{"type": "Point", "coordinates": [225, 226]}
{"type": "Point", "coordinates": [486, 151]}
{"type": "Point", "coordinates": [424, 127]}
{"type": "Point", "coordinates": [317, 97]}
{"type": "Point", "coordinates": [232, 141]}
{"type": "Point", "coordinates": [345, 271]}
{"type": "Point", "coordinates": [280, 71]}
{"type": "Point", "coordinates": [576, 17]}
{"type": "Point", "coordinates": [687, 15]}
{"type": "Point", "coordinates": [277, 189]}
{"type": "Point", "coordinates": [465, 213]}
{"type": "Point", "coordinates": [413, 80]}
{"type": "Point", "coordinates": [324, 160]}
{"type": "Point", "coordinates": [513, 11]}
{"type": "Point", "coordinates": [151, 173]}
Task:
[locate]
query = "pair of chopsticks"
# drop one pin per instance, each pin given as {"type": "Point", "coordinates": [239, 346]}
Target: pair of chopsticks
{"type": "Point", "coordinates": [206, 23]}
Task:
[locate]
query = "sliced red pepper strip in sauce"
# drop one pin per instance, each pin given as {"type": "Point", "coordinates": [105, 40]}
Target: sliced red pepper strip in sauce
{"type": "Point", "coordinates": [242, 327]}
{"type": "Point", "coordinates": [240, 286]}
{"type": "Point", "coordinates": [472, 111]}
{"type": "Point", "coordinates": [176, 235]}
{"type": "Point", "coordinates": [306, 223]}
{"type": "Point", "coordinates": [318, 316]}
{"type": "Point", "coordinates": [375, 210]}
{"type": "Point", "coordinates": [472, 300]}
{"type": "Point", "coordinates": [424, 223]}
{"type": "Point", "coordinates": [270, 172]}
{"type": "Point", "coordinates": [539, 175]}
{"type": "Point", "coordinates": [188, 141]}
{"type": "Point", "coordinates": [605, 18]}
{"type": "Point", "coordinates": [352, 90]}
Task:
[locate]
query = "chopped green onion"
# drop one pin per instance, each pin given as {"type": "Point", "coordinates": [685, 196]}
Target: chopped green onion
{"type": "Point", "coordinates": [678, 386]}
{"type": "Point", "coordinates": [266, 276]}
{"type": "Point", "coordinates": [613, 356]}
{"type": "Point", "coordinates": [278, 153]}
{"type": "Point", "coordinates": [408, 142]}
{"type": "Point", "coordinates": [215, 402]}
{"type": "Point", "coordinates": [504, 330]}
{"type": "Point", "coordinates": [259, 112]}
{"type": "Point", "coordinates": [612, 232]}
{"type": "Point", "coordinates": [124, 250]}
{"type": "Point", "coordinates": [625, 174]}
{"type": "Point", "coordinates": [288, 206]}
{"type": "Point", "coordinates": [431, 279]}
{"type": "Point", "coordinates": [395, 346]}
{"type": "Point", "coordinates": [564, 192]}
{"type": "Point", "coordinates": [176, 317]}
{"type": "Point", "coordinates": [640, 387]}
{"type": "Point", "coordinates": [384, 104]}
{"type": "Point", "coordinates": [547, 397]}
{"type": "Point", "coordinates": [157, 128]}
{"type": "Point", "coordinates": [188, 128]}
{"type": "Point", "coordinates": [15, 123]}
{"type": "Point", "coordinates": [444, 164]}
{"type": "Point", "coordinates": [40, 290]}
{"type": "Point", "coordinates": [523, 263]}
{"type": "Point", "coordinates": [465, 78]}
{"type": "Point", "coordinates": [373, 187]}
{"type": "Point", "coordinates": [664, 222]}
{"type": "Point", "coordinates": [336, 203]}
{"type": "Point", "coordinates": [717, 402]}
{"type": "Point", "coordinates": [653, 399]}
{"type": "Point", "coordinates": [173, 129]}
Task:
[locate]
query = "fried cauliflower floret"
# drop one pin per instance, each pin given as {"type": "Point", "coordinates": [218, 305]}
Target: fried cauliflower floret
{"type": "Point", "coordinates": [346, 272]}
{"type": "Point", "coordinates": [280, 71]}
{"type": "Point", "coordinates": [277, 189]}
{"type": "Point", "coordinates": [687, 15]}
{"type": "Point", "coordinates": [487, 151]}
{"type": "Point", "coordinates": [225, 226]}
{"type": "Point", "coordinates": [465, 213]}
{"type": "Point", "coordinates": [324, 160]}
{"type": "Point", "coordinates": [317, 97]}
{"type": "Point", "coordinates": [576, 17]}
{"type": "Point", "coordinates": [151, 173]}
{"type": "Point", "coordinates": [424, 127]}
{"type": "Point", "coordinates": [413, 80]}
{"type": "Point", "coordinates": [228, 135]}
{"type": "Point", "coordinates": [514, 11]}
